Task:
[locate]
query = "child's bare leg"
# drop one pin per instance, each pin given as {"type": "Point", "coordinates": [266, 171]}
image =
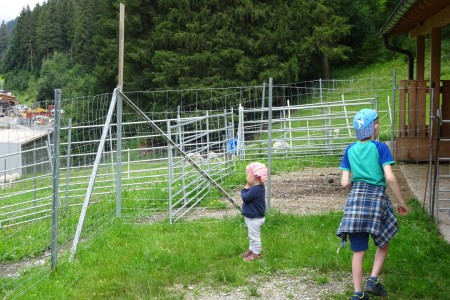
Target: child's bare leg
{"type": "Point", "coordinates": [380, 256]}
{"type": "Point", "coordinates": [357, 269]}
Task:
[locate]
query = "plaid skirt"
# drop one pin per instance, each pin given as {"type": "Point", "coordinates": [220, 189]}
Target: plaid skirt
{"type": "Point", "coordinates": [368, 209]}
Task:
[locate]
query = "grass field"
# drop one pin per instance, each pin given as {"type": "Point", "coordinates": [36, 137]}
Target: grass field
{"type": "Point", "coordinates": [145, 261]}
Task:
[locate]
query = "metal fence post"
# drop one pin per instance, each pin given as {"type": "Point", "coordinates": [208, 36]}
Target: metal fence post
{"type": "Point", "coordinates": [55, 176]}
{"type": "Point", "coordinates": [269, 141]}
{"type": "Point", "coordinates": [393, 112]}
{"type": "Point", "coordinates": [170, 169]}
{"type": "Point", "coordinates": [119, 108]}
{"type": "Point", "coordinates": [68, 160]}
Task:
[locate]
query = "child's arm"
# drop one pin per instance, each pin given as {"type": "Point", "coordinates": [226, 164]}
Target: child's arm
{"type": "Point", "coordinates": [249, 194]}
{"type": "Point", "coordinates": [345, 179]}
{"type": "Point", "coordinates": [402, 208]}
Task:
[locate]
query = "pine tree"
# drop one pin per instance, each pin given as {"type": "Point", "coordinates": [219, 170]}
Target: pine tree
{"type": "Point", "coordinates": [19, 54]}
{"type": "Point", "coordinates": [65, 14]}
{"type": "Point", "coordinates": [4, 40]}
{"type": "Point", "coordinates": [105, 44]}
{"type": "Point", "coordinates": [84, 31]}
{"type": "Point", "coordinates": [329, 30]}
{"type": "Point", "coordinates": [48, 31]}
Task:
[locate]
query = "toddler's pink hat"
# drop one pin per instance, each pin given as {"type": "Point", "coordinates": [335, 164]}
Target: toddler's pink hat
{"type": "Point", "coordinates": [257, 170]}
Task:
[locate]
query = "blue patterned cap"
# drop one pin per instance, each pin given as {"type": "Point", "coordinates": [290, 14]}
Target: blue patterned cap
{"type": "Point", "coordinates": [363, 123]}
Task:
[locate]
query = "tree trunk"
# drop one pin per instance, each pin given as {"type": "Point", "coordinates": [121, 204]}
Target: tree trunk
{"type": "Point", "coordinates": [326, 66]}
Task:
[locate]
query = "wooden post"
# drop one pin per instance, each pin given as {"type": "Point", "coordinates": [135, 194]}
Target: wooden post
{"type": "Point", "coordinates": [422, 108]}
{"type": "Point", "coordinates": [412, 108]}
{"type": "Point", "coordinates": [420, 58]}
{"type": "Point", "coordinates": [435, 71]}
{"type": "Point", "coordinates": [402, 108]}
{"type": "Point", "coordinates": [445, 129]}
{"type": "Point", "coordinates": [121, 45]}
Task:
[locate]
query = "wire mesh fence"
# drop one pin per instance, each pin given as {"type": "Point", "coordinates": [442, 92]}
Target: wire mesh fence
{"type": "Point", "coordinates": [216, 128]}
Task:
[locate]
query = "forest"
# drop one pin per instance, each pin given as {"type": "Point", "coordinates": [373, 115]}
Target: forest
{"type": "Point", "coordinates": [73, 44]}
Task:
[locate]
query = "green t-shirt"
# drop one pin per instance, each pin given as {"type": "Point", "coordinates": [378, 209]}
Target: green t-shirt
{"type": "Point", "coordinates": [366, 161]}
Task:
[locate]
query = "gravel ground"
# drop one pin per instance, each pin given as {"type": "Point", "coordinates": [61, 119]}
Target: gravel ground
{"type": "Point", "coordinates": [304, 285]}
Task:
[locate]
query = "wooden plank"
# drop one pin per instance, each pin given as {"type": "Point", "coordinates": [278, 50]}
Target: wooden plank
{"type": "Point", "coordinates": [441, 19]}
{"type": "Point", "coordinates": [420, 58]}
{"type": "Point", "coordinates": [435, 69]}
{"type": "Point", "coordinates": [421, 108]}
{"type": "Point", "coordinates": [445, 128]}
{"type": "Point", "coordinates": [402, 108]}
{"type": "Point", "coordinates": [414, 149]}
{"type": "Point", "coordinates": [412, 108]}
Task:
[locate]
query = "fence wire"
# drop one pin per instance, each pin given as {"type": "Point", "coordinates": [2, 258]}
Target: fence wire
{"type": "Point", "coordinates": [217, 127]}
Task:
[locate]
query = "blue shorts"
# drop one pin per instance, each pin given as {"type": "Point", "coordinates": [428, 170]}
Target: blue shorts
{"type": "Point", "coordinates": [359, 241]}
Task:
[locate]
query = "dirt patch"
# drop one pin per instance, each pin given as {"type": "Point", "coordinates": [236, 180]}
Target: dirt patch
{"type": "Point", "coordinates": [13, 270]}
{"type": "Point", "coordinates": [309, 191]}
{"type": "Point", "coordinates": [318, 190]}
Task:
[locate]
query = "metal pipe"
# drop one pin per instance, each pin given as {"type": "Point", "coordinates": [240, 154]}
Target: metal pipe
{"type": "Point", "coordinates": [402, 51]}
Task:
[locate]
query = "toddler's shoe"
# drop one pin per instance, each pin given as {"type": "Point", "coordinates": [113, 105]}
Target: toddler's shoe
{"type": "Point", "coordinates": [364, 296]}
{"type": "Point", "coordinates": [245, 254]}
{"type": "Point", "coordinates": [375, 287]}
{"type": "Point", "coordinates": [253, 256]}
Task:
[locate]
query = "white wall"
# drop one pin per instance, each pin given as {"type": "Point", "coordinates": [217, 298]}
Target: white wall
{"type": "Point", "coordinates": [10, 158]}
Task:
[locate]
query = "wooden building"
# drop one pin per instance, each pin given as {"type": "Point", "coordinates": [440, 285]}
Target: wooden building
{"type": "Point", "coordinates": [7, 97]}
{"type": "Point", "coordinates": [424, 103]}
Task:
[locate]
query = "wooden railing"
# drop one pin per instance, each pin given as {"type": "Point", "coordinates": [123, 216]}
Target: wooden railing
{"type": "Point", "coordinates": [415, 137]}
{"type": "Point", "coordinates": [413, 108]}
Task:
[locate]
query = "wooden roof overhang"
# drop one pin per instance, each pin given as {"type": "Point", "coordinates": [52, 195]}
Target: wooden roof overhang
{"type": "Point", "coordinates": [417, 17]}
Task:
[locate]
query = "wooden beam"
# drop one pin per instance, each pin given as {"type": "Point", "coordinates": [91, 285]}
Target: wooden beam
{"type": "Point", "coordinates": [445, 115]}
{"type": "Point", "coordinates": [421, 108]}
{"type": "Point", "coordinates": [121, 45]}
{"type": "Point", "coordinates": [420, 58]}
{"type": "Point", "coordinates": [402, 108]}
{"type": "Point", "coordinates": [435, 71]}
{"type": "Point", "coordinates": [412, 108]}
{"type": "Point", "coordinates": [440, 19]}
